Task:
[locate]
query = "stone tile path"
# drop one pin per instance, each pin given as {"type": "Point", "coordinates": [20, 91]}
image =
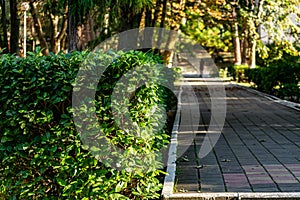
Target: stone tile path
{"type": "Point", "coordinates": [258, 151]}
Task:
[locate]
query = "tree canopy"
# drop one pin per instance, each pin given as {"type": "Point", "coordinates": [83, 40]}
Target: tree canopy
{"type": "Point", "coordinates": [237, 27]}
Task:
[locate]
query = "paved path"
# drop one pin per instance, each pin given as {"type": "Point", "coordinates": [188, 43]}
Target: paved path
{"type": "Point", "coordinates": [258, 151]}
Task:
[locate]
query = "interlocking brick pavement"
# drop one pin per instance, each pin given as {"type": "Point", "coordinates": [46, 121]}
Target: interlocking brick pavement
{"type": "Point", "coordinates": [258, 150]}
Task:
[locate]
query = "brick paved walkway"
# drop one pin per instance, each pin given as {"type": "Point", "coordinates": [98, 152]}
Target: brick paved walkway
{"type": "Point", "coordinates": [258, 151]}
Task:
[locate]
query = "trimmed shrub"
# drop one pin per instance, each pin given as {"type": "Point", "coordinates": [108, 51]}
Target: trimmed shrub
{"type": "Point", "coordinates": [42, 156]}
{"type": "Point", "coordinates": [280, 78]}
{"type": "Point", "coordinates": [239, 72]}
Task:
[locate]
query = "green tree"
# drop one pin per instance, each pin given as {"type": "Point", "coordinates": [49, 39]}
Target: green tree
{"type": "Point", "coordinates": [274, 17]}
{"type": "Point", "coordinates": [207, 23]}
{"type": "Point", "coordinates": [50, 20]}
{"type": "Point", "coordinates": [38, 27]}
{"type": "Point", "coordinates": [112, 17]}
{"type": "Point", "coordinates": [57, 11]}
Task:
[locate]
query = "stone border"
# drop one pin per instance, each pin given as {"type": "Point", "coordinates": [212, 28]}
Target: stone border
{"type": "Point", "coordinates": [169, 180]}
{"type": "Point", "coordinates": [234, 195]}
{"type": "Point", "coordinates": [289, 104]}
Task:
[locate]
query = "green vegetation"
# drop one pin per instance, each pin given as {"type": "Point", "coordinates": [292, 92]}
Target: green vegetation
{"type": "Point", "coordinates": [280, 77]}
{"type": "Point", "coordinates": [41, 153]}
{"type": "Point", "coordinates": [218, 25]}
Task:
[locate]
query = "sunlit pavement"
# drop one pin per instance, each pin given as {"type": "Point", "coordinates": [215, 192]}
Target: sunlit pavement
{"type": "Point", "coordinates": [258, 151]}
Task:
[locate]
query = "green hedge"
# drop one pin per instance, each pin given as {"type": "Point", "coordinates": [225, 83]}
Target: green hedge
{"type": "Point", "coordinates": [41, 153]}
{"type": "Point", "coordinates": [280, 78]}
{"type": "Point", "coordinates": [238, 72]}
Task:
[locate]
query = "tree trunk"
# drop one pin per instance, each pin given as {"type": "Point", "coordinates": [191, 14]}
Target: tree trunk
{"type": "Point", "coordinates": [244, 51]}
{"type": "Point", "coordinates": [254, 25]}
{"type": "Point", "coordinates": [72, 27]}
{"type": "Point", "coordinates": [169, 53]}
{"type": "Point", "coordinates": [162, 22]}
{"type": "Point", "coordinates": [130, 21]}
{"type": "Point", "coordinates": [177, 17]}
{"type": "Point", "coordinates": [90, 30]}
{"type": "Point", "coordinates": [63, 31]}
{"type": "Point", "coordinates": [64, 42]}
{"type": "Point", "coordinates": [32, 34]}
{"type": "Point", "coordinates": [54, 28]}
{"type": "Point", "coordinates": [15, 24]}
{"type": "Point", "coordinates": [72, 34]}
{"type": "Point", "coordinates": [81, 37]}
{"type": "Point", "coordinates": [147, 35]}
{"type": "Point", "coordinates": [244, 47]}
{"type": "Point", "coordinates": [57, 35]}
{"type": "Point", "coordinates": [236, 39]}
{"type": "Point", "coordinates": [38, 29]}
{"type": "Point", "coordinates": [1, 44]}
{"type": "Point", "coordinates": [253, 55]}
{"type": "Point", "coordinates": [4, 27]}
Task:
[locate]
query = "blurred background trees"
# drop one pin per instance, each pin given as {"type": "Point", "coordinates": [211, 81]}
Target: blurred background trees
{"type": "Point", "coordinates": [238, 30]}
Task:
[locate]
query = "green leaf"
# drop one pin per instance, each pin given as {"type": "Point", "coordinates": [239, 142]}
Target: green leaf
{"type": "Point", "coordinates": [6, 139]}
{"type": "Point", "coordinates": [61, 182]}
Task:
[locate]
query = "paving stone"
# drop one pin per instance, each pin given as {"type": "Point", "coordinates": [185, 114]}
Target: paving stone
{"type": "Point", "coordinates": [258, 151]}
{"type": "Point", "coordinates": [261, 188]}
{"type": "Point", "coordinates": [289, 187]}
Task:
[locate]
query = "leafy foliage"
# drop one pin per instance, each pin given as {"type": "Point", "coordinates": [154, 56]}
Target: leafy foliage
{"type": "Point", "coordinates": [277, 18]}
{"type": "Point", "coordinates": [238, 72]}
{"type": "Point", "coordinates": [40, 149]}
{"type": "Point", "coordinates": [280, 77]}
{"type": "Point", "coordinates": [208, 25]}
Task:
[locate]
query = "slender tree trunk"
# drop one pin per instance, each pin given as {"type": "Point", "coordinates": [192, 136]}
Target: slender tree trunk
{"type": "Point", "coordinates": [245, 51]}
{"type": "Point", "coordinates": [162, 22]}
{"type": "Point", "coordinates": [58, 34]}
{"type": "Point", "coordinates": [39, 30]}
{"type": "Point", "coordinates": [15, 24]}
{"type": "Point", "coordinates": [91, 31]}
{"type": "Point", "coordinates": [252, 47]}
{"type": "Point", "coordinates": [72, 28]}
{"type": "Point", "coordinates": [81, 37]}
{"type": "Point", "coordinates": [130, 21]}
{"type": "Point", "coordinates": [148, 34]}
{"type": "Point", "coordinates": [237, 48]}
{"type": "Point", "coordinates": [173, 34]}
{"type": "Point", "coordinates": [4, 27]}
{"type": "Point", "coordinates": [236, 38]}
{"type": "Point", "coordinates": [54, 28]}
{"type": "Point", "coordinates": [106, 31]}
{"type": "Point", "coordinates": [168, 54]}
{"type": "Point", "coordinates": [253, 55]}
{"type": "Point", "coordinates": [92, 25]}
{"type": "Point", "coordinates": [151, 22]}
{"type": "Point", "coordinates": [63, 30]}
{"type": "Point", "coordinates": [244, 47]}
{"type": "Point", "coordinates": [33, 33]}
{"type": "Point", "coordinates": [1, 44]}
{"type": "Point", "coordinates": [64, 42]}
{"type": "Point", "coordinates": [72, 34]}
{"type": "Point", "coordinates": [254, 25]}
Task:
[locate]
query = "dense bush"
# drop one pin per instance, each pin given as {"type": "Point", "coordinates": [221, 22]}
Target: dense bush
{"type": "Point", "coordinates": [280, 78]}
{"type": "Point", "coordinates": [41, 153]}
{"type": "Point", "coordinates": [236, 72]}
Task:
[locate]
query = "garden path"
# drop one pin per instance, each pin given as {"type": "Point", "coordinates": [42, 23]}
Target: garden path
{"type": "Point", "coordinates": [258, 150]}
